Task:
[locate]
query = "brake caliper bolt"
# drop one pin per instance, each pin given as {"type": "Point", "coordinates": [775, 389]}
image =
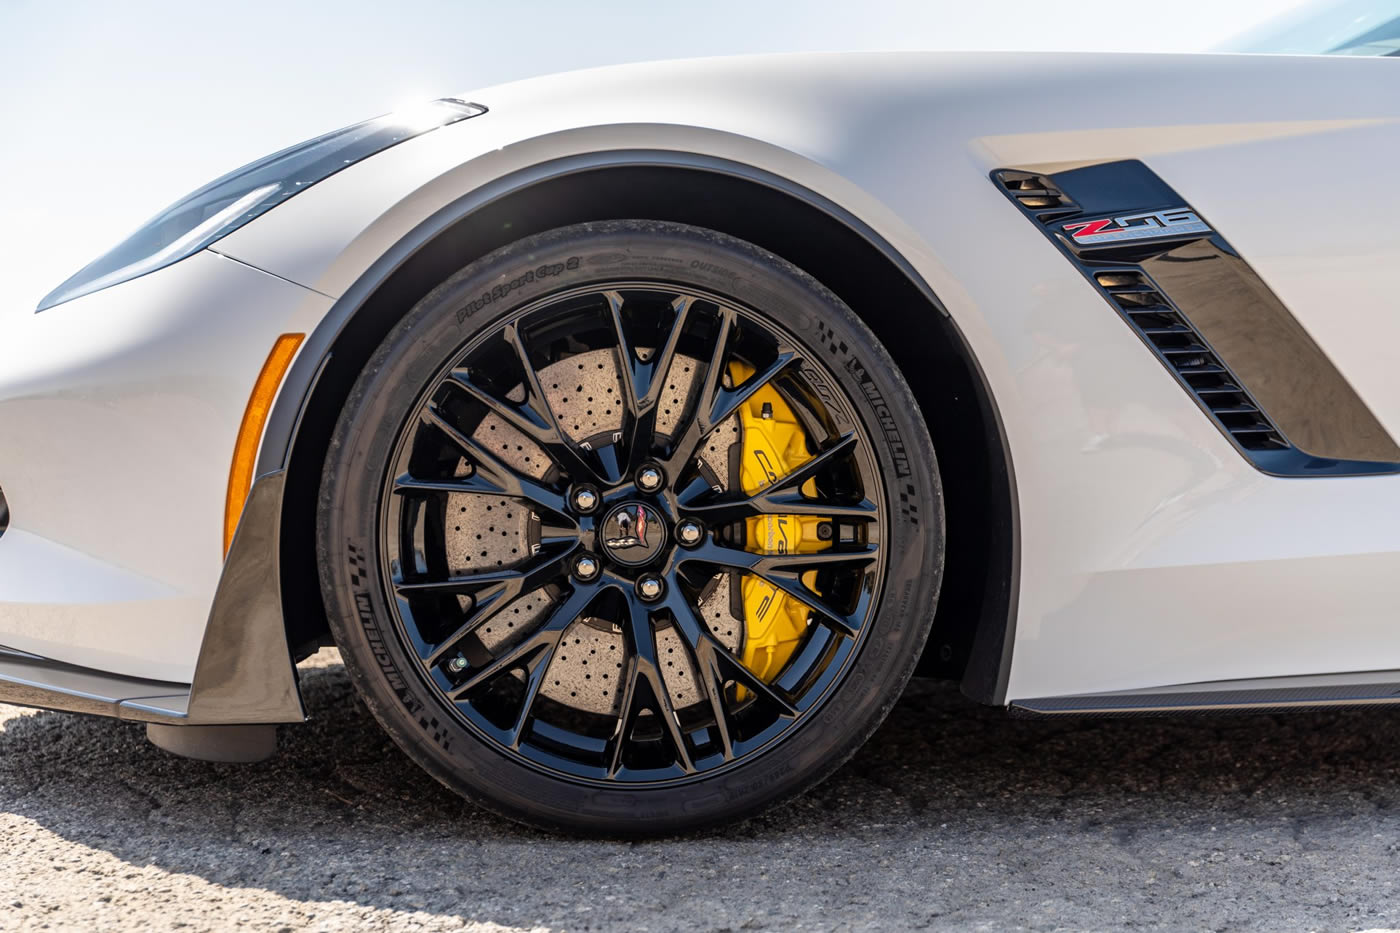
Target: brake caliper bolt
{"type": "Point", "coordinates": [825, 531]}
{"type": "Point", "coordinates": [650, 588]}
{"type": "Point", "coordinates": [650, 478]}
{"type": "Point", "coordinates": [585, 500]}
{"type": "Point", "coordinates": [689, 533]}
{"type": "Point", "coordinates": [586, 568]}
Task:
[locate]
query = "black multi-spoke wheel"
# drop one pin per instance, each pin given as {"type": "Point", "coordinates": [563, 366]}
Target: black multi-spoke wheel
{"type": "Point", "coordinates": [630, 527]}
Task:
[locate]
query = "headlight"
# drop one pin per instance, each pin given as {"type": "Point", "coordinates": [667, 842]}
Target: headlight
{"type": "Point", "coordinates": [224, 205]}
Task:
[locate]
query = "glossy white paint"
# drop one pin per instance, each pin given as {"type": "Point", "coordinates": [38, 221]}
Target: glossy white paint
{"type": "Point", "coordinates": [1151, 552]}
{"type": "Point", "coordinates": [118, 413]}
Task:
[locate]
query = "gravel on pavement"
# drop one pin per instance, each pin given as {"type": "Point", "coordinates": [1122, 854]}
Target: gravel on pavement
{"type": "Point", "coordinates": [954, 817]}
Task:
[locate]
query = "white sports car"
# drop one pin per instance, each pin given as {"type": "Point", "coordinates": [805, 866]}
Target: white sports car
{"type": "Point", "coordinates": [629, 432]}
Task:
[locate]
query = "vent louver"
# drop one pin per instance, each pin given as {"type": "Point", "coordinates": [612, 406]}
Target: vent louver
{"type": "Point", "coordinates": [1035, 193]}
{"type": "Point", "coordinates": [1186, 353]}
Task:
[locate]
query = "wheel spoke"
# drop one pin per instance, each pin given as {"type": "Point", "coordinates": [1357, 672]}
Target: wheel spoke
{"type": "Point", "coordinates": [769, 564]}
{"type": "Point", "coordinates": [534, 418]}
{"type": "Point", "coordinates": [485, 607]}
{"type": "Point", "coordinates": [752, 682]}
{"type": "Point", "coordinates": [625, 718]}
{"type": "Point", "coordinates": [703, 648]}
{"type": "Point", "coordinates": [773, 564]}
{"type": "Point", "coordinates": [476, 484]}
{"type": "Point", "coordinates": [727, 401]}
{"type": "Point", "coordinates": [643, 638]}
{"type": "Point", "coordinates": [844, 445]}
{"type": "Point", "coordinates": [666, 355]}
{"type": "Point", "coordinates": [711, 384]}
{"type": "Point", "coordinates": [643, 380]}
{"type": "Point", "coordinates": [535, 672]}
{"type": "Point", "coordinates": [490, 594]}
{"type": "Point", "coordinates": [555, 442]}
{"type": "Point", "coordinates": [547, 503]}
{"type": "Point", "coordinates": [546, 635]}
{"type": "Point", "coordinates": [535, 402]}
{"type": "Point", "coordinates": [506, 480]}
{"type": "Point", "coordinates": [786, 576]}
{"type": "Point", "coordinates": [531, 576]}
{"type": "Point", "coordinates": [704, 644]}
{"type": "Point", "coordinates": [665, 712]}
{"type": "Point", "coordinates": [784, 572]}
{"type": "Point", "coordinates": [783, 497]}
{"type": "Point", "coordinates": [724, 510]}
{"type": "Point", "coordinates": [508, 661]}
{"type": "Point", "coordinates": [708, 669]}
{"type": "Point", "coordinates": [650, 668]}
{"type": "Point", "coordinates": [523, 417]}
{"type": "Point", "coordinates": [715, 403]}
{"type": "Point", "coordinates": [631, 369]}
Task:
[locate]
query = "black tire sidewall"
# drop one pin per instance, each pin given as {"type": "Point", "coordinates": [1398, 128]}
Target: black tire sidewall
{"type": "Point", "coordinates": [481, 296]}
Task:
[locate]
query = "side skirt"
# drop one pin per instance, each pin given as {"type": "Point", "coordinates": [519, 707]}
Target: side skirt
{"type": "Point", "coordinates": [29, 680]}
{"type": "Point", "coordinates": [1265, 695]}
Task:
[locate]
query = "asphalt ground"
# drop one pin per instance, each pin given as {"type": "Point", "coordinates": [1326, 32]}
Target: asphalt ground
{"type": "Point", "coordinates": [954, 817]}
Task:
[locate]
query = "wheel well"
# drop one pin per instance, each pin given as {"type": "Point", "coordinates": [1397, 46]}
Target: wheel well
{"type": "Point", "coordinates": [923, 341]}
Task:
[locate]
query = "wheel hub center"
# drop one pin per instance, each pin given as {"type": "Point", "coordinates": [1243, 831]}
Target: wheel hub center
{"type": "Point", "coordinates": [634, 533]}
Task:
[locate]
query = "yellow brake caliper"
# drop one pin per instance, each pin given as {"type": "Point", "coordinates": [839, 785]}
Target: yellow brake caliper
{"type": "Point", "coordinates": [773, 445]}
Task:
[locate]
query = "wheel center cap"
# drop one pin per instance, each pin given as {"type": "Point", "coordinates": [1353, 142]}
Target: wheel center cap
{"type": "Point", "coordinates": [633, 533]}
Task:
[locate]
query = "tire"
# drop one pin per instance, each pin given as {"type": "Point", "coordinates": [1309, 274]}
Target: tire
{"type": "Point", "coordinates": [746, 741]}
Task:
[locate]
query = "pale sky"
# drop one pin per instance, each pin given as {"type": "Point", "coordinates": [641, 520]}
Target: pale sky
{"type": "Point", "coordinates": [113, 110]}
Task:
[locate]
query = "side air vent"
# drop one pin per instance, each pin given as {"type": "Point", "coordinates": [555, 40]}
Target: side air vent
{"type": "Point", "coordinates": [1035, 193]}
{"type": "Point", "coordinates": [1187, 354]}
{"type": "Point", "coordinates": [1195, 301]}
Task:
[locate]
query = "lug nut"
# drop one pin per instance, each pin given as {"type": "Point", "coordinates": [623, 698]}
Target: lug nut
{"type": "Point", "coordinates": [650, 588]}
{"type": "Point", "coordinates": [689, 533]}
{"type": "Point", "coordinates": [586, 568]}
{"type": "Point", "coordinates": [585, 500]}
{"type": "Point", "coordinates": [650, 478]}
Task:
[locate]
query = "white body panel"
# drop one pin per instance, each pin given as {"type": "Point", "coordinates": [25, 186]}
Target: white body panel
{"type": "Point", "coordinates": [1151, 552]}
{"type": "Point", "coordinates": [118, 415]}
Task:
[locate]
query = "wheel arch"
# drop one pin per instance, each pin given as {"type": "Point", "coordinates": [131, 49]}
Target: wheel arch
{"type": "Point", "coordinates": [975, 617]}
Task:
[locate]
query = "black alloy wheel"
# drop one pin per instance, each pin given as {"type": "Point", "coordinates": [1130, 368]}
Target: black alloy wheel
{"type": "Point", "coordinates": [549, 564]}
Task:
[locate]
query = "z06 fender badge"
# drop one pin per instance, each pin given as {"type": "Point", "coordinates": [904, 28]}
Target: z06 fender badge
{"type": "Point", "coordinates": [1174, 222]}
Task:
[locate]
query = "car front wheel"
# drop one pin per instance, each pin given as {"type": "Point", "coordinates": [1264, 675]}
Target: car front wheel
{"type": "Point", "coordinates": [630, 527]}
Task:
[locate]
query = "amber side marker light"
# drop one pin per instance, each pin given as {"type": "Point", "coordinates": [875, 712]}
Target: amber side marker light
{"type": "Point", "coordinates": [245, 451]}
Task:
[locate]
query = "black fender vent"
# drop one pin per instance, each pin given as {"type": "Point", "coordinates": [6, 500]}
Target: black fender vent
{"type": "Point", "coordinates": [1208, 317]}
{"type": "Point", "coordinates": [1186, 353]}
